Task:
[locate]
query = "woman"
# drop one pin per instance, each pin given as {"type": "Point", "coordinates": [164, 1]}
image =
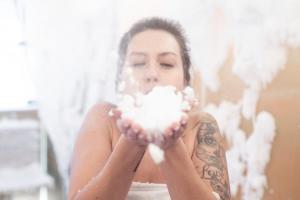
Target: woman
{"type": "Point", "coordinates": [110, 159]}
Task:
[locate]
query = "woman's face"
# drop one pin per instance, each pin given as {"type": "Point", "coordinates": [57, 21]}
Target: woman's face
{"type": "Point", "coordinates": [153, 59]}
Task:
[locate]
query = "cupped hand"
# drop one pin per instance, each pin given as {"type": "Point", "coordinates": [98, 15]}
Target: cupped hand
{"type": "Point", "coordinates": [131, 130]}
{"type": "Point", "coordinates": [172, 133]}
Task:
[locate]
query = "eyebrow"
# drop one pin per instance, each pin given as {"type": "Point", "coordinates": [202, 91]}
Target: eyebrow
{"type": "Point", "coordinates": [144, 54]}
{"type": "Point", "coordinates": [135, 53]}
{"type": "Point", "coordinates": [167, 53]}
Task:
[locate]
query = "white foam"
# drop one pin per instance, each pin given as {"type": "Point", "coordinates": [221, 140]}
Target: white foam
{"type": "Point", "coordinates": [156, 110]}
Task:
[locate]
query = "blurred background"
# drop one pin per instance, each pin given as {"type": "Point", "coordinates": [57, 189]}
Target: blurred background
{"type": "Point", "coordinates": [58, 57]}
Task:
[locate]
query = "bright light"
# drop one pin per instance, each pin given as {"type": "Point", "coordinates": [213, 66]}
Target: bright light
{"type": "Point", "coordinates": [16, 86]}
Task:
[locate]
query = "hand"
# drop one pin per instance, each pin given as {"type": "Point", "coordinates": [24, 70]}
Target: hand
{"type": "Point", "coordinates": [172, 133]}
{"type": "Point", "coordinates": [131, 130]}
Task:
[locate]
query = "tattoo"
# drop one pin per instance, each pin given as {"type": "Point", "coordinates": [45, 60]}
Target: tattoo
{"type": "Point", "coordinates": [212, 154]}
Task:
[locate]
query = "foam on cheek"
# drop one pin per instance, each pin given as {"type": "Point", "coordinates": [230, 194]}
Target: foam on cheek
{"type": "Point", "coordinates": [156, 111]}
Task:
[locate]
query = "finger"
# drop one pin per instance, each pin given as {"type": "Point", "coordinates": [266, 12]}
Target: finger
{"type": "Point", "coordinates": [184, 119]}
{"type": "Point", "coordinates": [143, 136]}
{"type": "Point", "coordinates": [167, 142]}
{"type": "Point", "coordinates": [167, 131]}
{"type": "Point", "coordinates": [155, 140]}
{"type": "Point", "coordinates": [131, 134]}
{"type": "Point", "coordinates": [160, 140]}
{"type": "Point", "coordinates": [175, 126]}
{"type": "Point", "coordinates": [149, 138]}
{"type": "Point", "coordinates": [142, 141]}
{"type": "Point", "coordinates": [179, 132]}
{"type": "Point", "coordinates": [152, 138]}
{"type": "Point", "coordinates": [136, 128]}
{"type": "Point", "coordinates": [168, 135]}
{"type": "Point", "coordinates": [183, 126]}
{"type": "Point", "coordinates": [140, 137]}
{"type": "Point", "coordinates": [126, 123]}
{"type": "Point", "coordinates": [115, 112]}
{"type": "Point", "coordinates": [165, 138]}
{"type": "Point", "coordinates": [121, 126]}
{"type": "Point", "coordinates": [174, 135]}
{"type": "Point", "coordinates": [119, 123]}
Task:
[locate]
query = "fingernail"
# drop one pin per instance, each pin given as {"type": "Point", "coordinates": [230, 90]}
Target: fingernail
{"type": "Point", "coordinates": [170, 133]}
{"type": "Point", "coordinates": [140, 137]}
{"type": "Point", "coordinates": [136, 130]}
{"type": "Point", "coordinates": [148, 138]}
{"type": "Point", "coordinates": [125, 124]}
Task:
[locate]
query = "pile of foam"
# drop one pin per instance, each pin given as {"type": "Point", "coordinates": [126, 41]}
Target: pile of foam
{"type": "Point", "coordinates": [156, 111]}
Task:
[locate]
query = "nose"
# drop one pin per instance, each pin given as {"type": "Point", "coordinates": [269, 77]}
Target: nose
{"type": "Point", "coordinates": [151, 74]}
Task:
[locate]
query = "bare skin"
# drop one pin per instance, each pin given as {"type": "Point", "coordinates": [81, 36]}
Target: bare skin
{"type": "Point", "coordinates": [111, 152]}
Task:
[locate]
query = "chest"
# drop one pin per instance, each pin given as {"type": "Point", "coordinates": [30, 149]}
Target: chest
{"type": "Point", "coordinates": [147, 170]}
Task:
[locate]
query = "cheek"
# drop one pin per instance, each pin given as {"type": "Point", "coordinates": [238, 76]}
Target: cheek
{"type": "Point", "coordinates": [131, 75]}
{"type": "Point", "coordinates": [175, 78]}
{"type": "Point", "coordinates": [132, 80]}
{"type": "Point", "coordinates": [180, 82]}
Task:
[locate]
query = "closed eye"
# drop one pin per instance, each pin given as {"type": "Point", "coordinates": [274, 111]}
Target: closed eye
{"type": "Point", "coordinates": [138, 64]}
{"type": "Point", "coordinates": [167, 65]}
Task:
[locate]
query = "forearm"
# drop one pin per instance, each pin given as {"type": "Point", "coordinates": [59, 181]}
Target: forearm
{"type": "Point", "coordinates": [182, 179]}
{"type": "Point", "coordinates": [115, 178]}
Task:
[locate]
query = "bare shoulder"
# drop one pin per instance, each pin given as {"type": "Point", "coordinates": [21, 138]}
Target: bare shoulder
{"type": "Point", "coordinates": [97, 117]}
{"type": "Point", "coordinates": [95, 132]}
{"type": "Point", "coordinates": [200, 119]}
{"type": "Point", "coordinates": [92, 147]}
{"type": "Point", "coordinates": [201, 116]}
{"type": "Point", "coordinates": [100, 109]}
{"type": "Point", "coordinates": [96, 126]}
{"type": "Point", "coordinates": [204, 116]}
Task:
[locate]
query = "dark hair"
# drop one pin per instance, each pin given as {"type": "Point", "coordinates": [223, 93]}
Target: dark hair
{"type": "Point", "coordinates": [156, 23]}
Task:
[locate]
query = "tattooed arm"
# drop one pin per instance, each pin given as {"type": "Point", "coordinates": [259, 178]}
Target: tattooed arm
{"type": "Point", "coordinates": [209, 157]}
{"type": "Point", "coordinates": [182, 166]}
